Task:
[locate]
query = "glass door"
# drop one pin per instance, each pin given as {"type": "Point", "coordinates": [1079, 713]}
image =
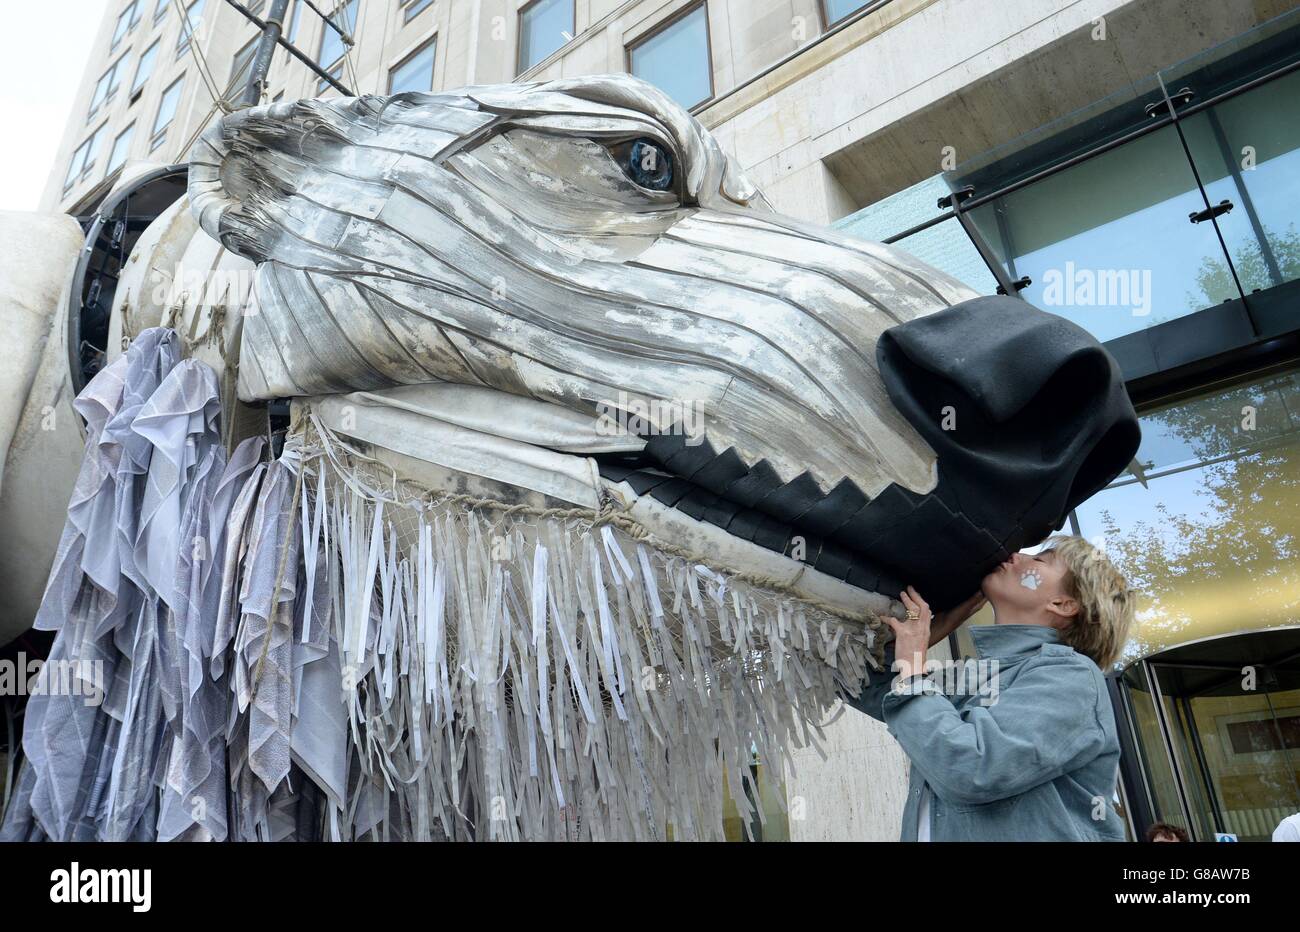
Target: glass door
{"type": "Point", "coordinates": [1235, 734]}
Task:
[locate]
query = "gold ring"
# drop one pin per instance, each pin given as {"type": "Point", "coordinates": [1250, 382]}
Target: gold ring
{"type": "Point", "coordinates": [912, 616]}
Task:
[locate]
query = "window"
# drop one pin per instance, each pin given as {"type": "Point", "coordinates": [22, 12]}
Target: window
{"type": "Point", "coordinates": [166, 110]}
{"type": "Point", "coordinates": [544, 26]}
{"type": "Point", "coordinates": [145, 68]}
{"type": "Point", "coordinates": [415, 72]}
{"type": "Point", "coordinates": [1214, 487]}
{"type": "Point", "coordinates": [126, 20]}
{"type": "Point", "coordinates": [837, 10]}
{"type": "Point", "coordinates": [290, 30]}
{"type": "Point", "coordinates": [83, 160]}
{"type": "Point", "coordinates": [161, 10]}
{"type": "Point", "coordinates": [945, 246]}
{"type": "Point", "coordinates": [292, 34]}
{"type": "Point", "coordinates": [414, 8]}
{"type": "Point", "coordinates": [193, 20]}
{"type": "Point", "coordinates": [242, 65]}
{"type": "Point", "coordinates": [336, 73]}
{"type": "Point", "coordinates": [255, 6]}
{"type": "Point", "coordinates": [121, 146]}
{"type": "Point", "coordinates": [107, 86]}
{"type": "Point", "coordinates": [331, 43]}
{"type": "Point", "coordinates": [1164, 266]}
{"type": "Point", "coordinates": [332, 49]}
{"type": "Point", "coordinates": [1209, 539]}
{"type": "Point", "coordinates": [675, 58]}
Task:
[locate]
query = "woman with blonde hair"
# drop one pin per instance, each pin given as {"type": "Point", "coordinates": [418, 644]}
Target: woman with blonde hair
{"type": "Point", "coordinates": [1034, 754]}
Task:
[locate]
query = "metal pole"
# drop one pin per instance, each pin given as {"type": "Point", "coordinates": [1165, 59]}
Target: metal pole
{"type": "Point", "coordinates": [315, 68]}
{"type": "Point", "coordinates": [1194, 736]}
{"type": "Point", "coordinates": [1156, 123]}
{"type": "Point", "coordinates": [1166, 734]}
{"type": "Point", "coordinates": [1134, 769]}
{"type": "Point", "coordinates": [329, 21]}
{"type": "Point", "coordinates": [996, 268]}
{"type": "Point", "coordinates": [265, 51]}
{"type": "Point", "coordinates": [1247, 202]}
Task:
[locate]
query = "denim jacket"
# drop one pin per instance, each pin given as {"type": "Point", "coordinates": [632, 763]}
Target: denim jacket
{"type": "Point", "coordinates": [1033, 759]}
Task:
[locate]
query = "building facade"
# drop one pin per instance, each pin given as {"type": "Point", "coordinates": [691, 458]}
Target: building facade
{"type": "Point", "coordinates": [1039, 147]}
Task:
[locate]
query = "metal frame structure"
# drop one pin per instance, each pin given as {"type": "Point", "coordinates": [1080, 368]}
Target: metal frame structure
{"type": "Point", "coordinates": [1247, 334]}
{"type": "Point", "coordinates": [1134, 776]}
{"type": "Point", "coordinates": [1139, 805]}
{"type": "Point", "coordinates": [272, 35]}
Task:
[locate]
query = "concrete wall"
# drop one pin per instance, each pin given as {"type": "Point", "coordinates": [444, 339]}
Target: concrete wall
{"type": "Point", "coordinates": [857, 793]}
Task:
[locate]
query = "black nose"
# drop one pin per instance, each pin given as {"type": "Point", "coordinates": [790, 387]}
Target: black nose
{"type": "Point", "coordinates": [1028, 416]}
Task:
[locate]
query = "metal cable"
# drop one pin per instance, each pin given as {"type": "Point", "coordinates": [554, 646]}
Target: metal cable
{"type": "Point", "coordinates": [329, 21]}
{"type": "Point", "coordinates": [205, 72]}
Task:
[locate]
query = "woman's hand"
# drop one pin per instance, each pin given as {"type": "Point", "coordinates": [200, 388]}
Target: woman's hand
{"type": "Point", "coordinates": [912, 636]}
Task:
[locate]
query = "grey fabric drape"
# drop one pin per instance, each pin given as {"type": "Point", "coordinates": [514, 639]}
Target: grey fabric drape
{"type": "Point", "coordinates": [314, 648]}
{"type": "Point", "coordinates": [129, 596]}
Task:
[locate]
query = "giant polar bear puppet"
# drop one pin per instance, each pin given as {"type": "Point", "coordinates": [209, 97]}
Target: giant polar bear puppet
{"type": "Point", "coordinates": [599, 477]}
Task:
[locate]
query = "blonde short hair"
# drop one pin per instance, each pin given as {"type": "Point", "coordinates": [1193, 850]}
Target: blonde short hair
{"type": "Point", "coordinates": [1106, 603]}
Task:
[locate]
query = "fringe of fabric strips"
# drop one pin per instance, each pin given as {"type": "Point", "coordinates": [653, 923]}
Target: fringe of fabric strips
{"type": "Point", "coordinates": [312, 649]}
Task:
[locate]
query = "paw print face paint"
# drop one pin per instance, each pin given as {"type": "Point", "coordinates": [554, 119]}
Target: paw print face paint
{"type": "Point", "coordinates": [1031, 580]}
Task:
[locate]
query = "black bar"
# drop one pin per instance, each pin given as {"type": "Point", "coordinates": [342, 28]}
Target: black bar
{"type": "Point", "coordinates": [316, 69]}
{"type": "Point", "coordinates": [1155, 124]}
{"type": "Point", "coordinates": [347, 39]}
{"type": "Point", "coordinates": [1247, 202]}
{"type": "Point", "coordinates": [1188, 111]}
{"type": "Point", "coordinates": [920, 227]}
{"type": "Point", "coordinates": [1005, 285]}
{"type": "Point", "coordinates": [265, 49]}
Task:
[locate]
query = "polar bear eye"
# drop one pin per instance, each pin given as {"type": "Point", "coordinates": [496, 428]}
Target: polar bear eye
{"type": "Point", "coordinates": [647, 163]}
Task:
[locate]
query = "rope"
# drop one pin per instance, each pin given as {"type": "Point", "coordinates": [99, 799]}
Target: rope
{"type": "Point", "coordinates": [347, 38]}
{"type": "Point", "coordinates": [219, 101]}
{"type": "Point", "coordinates": [349, 67]}
{"type": "Point", "coordinates": [205, 72]}
{"type": "Point", "coordinates": [609, 513]}
{"type": "Point", "coordinates": [203, 124]}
